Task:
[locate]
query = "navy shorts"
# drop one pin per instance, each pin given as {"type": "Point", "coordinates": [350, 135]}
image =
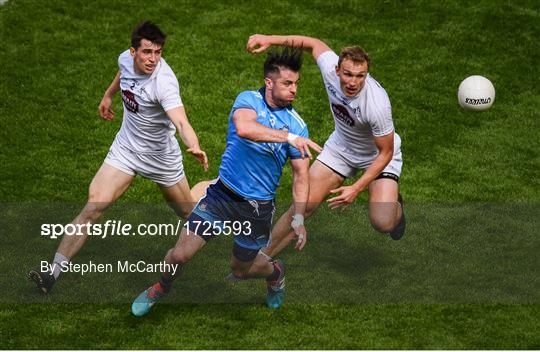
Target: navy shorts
{"type": "Point", "coordinates": [222, 212]}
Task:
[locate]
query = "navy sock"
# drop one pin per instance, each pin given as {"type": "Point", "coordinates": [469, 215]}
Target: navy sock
{"type": "Point", "coordinates": [275, 274]}
{"type": "Point", "coordinates": [165, 283]}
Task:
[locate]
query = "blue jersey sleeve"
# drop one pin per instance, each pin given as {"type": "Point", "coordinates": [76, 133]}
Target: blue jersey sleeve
{"type": "Point", "coordinates": [245, 100]}
{"type": "Point", "coordinates": [302, 131]}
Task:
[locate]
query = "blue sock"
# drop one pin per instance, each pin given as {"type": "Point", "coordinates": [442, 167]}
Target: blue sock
{"type": "Point", "coordinates": [165, 283]}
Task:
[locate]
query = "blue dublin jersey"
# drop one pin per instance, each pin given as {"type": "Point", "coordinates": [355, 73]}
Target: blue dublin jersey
{"type": "Point", "coordinates": [253, 169]}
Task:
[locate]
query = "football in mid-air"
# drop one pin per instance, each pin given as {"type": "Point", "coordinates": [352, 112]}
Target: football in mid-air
{"type": "Point", "coordinates": [476, 93]}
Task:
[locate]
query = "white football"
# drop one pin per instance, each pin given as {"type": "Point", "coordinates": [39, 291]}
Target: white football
{"type": "Point", "coordinates": [476, 93]}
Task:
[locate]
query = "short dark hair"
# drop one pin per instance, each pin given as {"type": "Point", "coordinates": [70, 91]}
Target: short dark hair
{"type": "Point", "coordinates": [287, 57]}
{"type": "Point", "coordinates": [149, 31]}
{"type": "Point", "coordinates": [355, 54]}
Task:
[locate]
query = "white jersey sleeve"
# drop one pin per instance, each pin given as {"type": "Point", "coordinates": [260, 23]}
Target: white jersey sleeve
{"type": "Point", "coordinates": [168, 90]}
{"type": "Point", "coordinates": [378, 110]}
{"type": "Point", "coordinates": [327, 63]}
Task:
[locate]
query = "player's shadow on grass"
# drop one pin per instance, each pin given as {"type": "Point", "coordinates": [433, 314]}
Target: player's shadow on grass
{"type": "Point", "coordinates": [340, 263]}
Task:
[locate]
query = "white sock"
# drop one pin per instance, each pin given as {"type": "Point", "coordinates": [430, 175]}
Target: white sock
{"type": "Point", "coordinates": [59, 258]}
{"type": "Point", "coordinates": [265, 255]}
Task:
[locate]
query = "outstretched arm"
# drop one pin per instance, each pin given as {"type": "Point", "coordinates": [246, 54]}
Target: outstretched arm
{"type": "Point", "coordinates": [300, 192]}
{"type": "Point", "coordinates": [245, 121]}
{"type": "Point", "coordinates": [347, 194]}
{"type": "Point", "coordinates": [105, 106]}
{"type": "Point", "coordinates": [258, 43]}
{"type": "Point", "coordinates": [187, 134]}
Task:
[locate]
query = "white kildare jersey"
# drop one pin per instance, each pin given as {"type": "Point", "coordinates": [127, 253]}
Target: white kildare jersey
{"type": "Point", "coordinates": [146, 129]}
{"type": "Point", "coordinates": [357, 119]}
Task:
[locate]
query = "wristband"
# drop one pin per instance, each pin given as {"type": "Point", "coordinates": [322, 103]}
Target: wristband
{"type": "Point", "coordinates": [291, 137]}
{"type": "Point", "coordinates": [298, 220]}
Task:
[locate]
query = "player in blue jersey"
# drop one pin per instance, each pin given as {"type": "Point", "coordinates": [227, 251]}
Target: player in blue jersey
{"type": "Point", "coordinates": [364, 140]}
{"type": "Point", "coordinates": [264, 131]}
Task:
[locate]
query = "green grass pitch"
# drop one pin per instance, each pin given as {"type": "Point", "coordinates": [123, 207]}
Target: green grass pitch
{"type": "Point", "coordinates": [466, 275]}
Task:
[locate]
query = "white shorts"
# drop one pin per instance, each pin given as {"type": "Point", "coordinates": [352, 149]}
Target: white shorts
{"type": "Point", "coordinates": [338, 161]}
{"type": "Point", "coordinates": [164, 169]}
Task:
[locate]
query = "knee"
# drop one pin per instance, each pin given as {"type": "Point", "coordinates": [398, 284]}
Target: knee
{"type": "Point", "coordinates": [98, 200]}
{"type": "Point", "coordinates": [94, 208]}
{"type": "Point", "coordinates": [382, 224]}
{"type": "Point", "coordinates": [180, 256]}
{"type": "Point", "coordinates": [383, 216]}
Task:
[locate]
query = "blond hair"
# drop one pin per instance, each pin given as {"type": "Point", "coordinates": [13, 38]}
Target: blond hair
{"type": "Point", "coordinates": [355, 54]}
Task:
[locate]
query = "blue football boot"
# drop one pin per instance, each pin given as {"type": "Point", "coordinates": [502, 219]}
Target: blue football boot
{"type": "Point", "coordinates": [144, 302]}
{"type": "Point", "coordinates": [276, 288]}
